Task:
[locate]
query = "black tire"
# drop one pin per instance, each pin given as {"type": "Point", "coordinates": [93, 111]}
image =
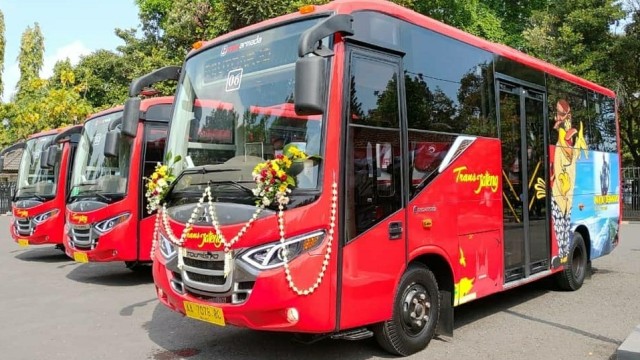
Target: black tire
{"type": "Point", "coordinates": [416, 310]}
{"type": "Point", "coordinates": [138, 267]}
{"type": "Point", "coordinates": [575, 271]}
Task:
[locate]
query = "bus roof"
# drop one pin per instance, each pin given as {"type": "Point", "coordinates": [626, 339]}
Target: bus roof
{"type": "Point", "coordinates": [389, 8]}
{"type": "Point", "coordinates": [144, 105]}
{"type": "Point", "coordinates": [46, 133]}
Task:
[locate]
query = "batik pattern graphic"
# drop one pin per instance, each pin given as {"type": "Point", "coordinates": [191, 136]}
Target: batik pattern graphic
{"type": "Point", "coordinates": [562, 228]}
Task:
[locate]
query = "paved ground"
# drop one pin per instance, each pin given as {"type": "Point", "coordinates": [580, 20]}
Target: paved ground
{"type": "Point", "coordinates": [52, 308]}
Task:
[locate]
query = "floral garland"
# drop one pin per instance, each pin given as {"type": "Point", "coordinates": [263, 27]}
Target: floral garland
{"type": "Point", "coordinates": [158, 183]}
{"type": "Point", "coordinates": [274, 179]}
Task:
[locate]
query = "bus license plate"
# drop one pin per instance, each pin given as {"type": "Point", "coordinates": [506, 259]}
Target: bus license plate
{"type": "Point", "coordinates": [206, 313]}
{"type": "Point", "coordinates": [80, 257]}
{"type": "Point", "coordinates": [23, 242]}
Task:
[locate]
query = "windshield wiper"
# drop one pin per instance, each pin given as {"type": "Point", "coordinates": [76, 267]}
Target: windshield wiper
{"type": "Point", "coordinates": [233, 183]}
{"type": "Point", "coordinates": [105, 198]}
{"type": "Point", "coordinates": [203, 170]}
{"type": "Point", "coordinates": [236, 184]}
{"type": "Point", "coordinates": [36, 196]}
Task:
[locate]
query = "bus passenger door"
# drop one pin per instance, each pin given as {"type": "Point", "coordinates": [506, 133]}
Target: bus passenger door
{"type": "Point", "coordinates": [155, 137]}
{"type": "Point", "coordinates": [374, 232]}
{"type": "Point", "coordinates": [524, 169]}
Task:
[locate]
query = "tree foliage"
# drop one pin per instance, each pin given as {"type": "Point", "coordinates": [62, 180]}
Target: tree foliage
{"type": "Point", "coordinates": [624, 75]}
{"type": "Point", "coordinates": [573, 34]}
{"type": "Point", "coordinates": [30, 58]}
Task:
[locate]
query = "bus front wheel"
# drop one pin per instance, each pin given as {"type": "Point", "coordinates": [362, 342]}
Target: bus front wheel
{"type": "Point", "coordinates": [572, 277]}
{"type": "Point", "coordinates": [416, 310]}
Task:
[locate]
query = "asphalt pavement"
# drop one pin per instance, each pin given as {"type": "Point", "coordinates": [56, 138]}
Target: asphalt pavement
{"type": "Point", "coordinates": [52, 308]}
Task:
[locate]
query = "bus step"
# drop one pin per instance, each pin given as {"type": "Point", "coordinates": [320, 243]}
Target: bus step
{"type": "Point", "coordinates": [354, 334]}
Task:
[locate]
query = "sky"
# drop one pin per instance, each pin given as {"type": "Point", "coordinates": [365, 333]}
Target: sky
{"type": "Point", "coordinates": [71, 28]}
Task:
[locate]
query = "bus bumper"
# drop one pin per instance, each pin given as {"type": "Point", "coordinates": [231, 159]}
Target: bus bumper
{"type": "Point", "coordinates": [49, 232]}
{"type": "Point", "coordinates": [116, 245]}
{"type": "Point", "coordinates": [271, 305]}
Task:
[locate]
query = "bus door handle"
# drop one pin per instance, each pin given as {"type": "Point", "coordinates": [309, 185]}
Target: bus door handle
{"type": "Point", "coordinates": [395, 230]}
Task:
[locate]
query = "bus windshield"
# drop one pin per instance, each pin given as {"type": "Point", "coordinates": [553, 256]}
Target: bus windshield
{"type": "Point", "coordinates": [34, 181]}
{"type": "Point", "coordinates": [234, 109]}
{"type": "Point", "coordinates": [93, 173]}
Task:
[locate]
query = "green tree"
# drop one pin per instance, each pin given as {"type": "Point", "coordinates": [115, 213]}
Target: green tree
{"type": "Point", "coordinates": [575, 35]}
{"type": "Point", "coordinates": [61, 70]}
{"type": "Point", "coordinates": [153, 14]}
{"type": "Point", "coordinates": [104, 78]}
{"type": "Point", "coordinates": [624, 76]}
{"type": "Point", "coordinates": [30, 58]}
{"type": "Point", "coordinates": [63, 103]}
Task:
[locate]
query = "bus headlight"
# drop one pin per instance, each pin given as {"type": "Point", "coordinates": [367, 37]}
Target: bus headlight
{"type": "Point", "coordinates": [39, 219]}
{"type": "Point", "coordinates": [272, 255]}
{"type": "Point", "coordinates": [106, 225]}
{"type": "Point", "coordinates": [167, 249]}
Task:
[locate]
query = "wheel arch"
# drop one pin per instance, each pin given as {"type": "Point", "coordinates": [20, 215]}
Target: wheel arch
{"type": "Point", "coordinates": [437, 262]}
{"type": "Point", "coordinates": [584, 231]}
{"type": "Point", "coordinates": [440, 268]}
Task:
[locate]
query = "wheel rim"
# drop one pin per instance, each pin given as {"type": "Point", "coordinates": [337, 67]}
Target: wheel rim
{"type": "Point", "coordinates": [416, 307]}
{"type": "Point", "coordinates": [577, 263]}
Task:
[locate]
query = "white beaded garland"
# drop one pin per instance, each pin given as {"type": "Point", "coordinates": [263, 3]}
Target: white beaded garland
{"type": "Point", "coordinates": [325, 263]}
{"type": "Point", "coordinates": [162, 220]}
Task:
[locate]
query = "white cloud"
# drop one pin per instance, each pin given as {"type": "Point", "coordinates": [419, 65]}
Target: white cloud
{"type": "Point", "coordinates": [73, 51]}
{"type": "Point", "coordinates": [9, 80]}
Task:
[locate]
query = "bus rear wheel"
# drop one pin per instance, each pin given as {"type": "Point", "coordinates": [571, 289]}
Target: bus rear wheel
{"type": "Point", "coordinates": [575, 271]}
{"type": "Point", "coordinates": [416, 310]}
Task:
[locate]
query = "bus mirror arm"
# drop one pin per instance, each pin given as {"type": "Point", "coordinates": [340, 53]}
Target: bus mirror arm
{"type": "Point", "coordinates": [114, 123]}
{"type": "Point", "coordinates": [131, 112]}
{"type": "Point", "coordinates": [162, 74]}
{"type": "Point", "coordinates": [309, 39]}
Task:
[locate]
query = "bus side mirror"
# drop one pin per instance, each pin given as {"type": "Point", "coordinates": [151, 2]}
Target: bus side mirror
{"type": "Point", "coordinates": [130, 117]}
{"type": "Point", "coordinates": [52, 156]}
{"type": "Point", "coordinates": [311, 85]}
{"type": "Point", "coordinates": [111, 143]}
{"type": "Point", "coordinates": [44, 154]}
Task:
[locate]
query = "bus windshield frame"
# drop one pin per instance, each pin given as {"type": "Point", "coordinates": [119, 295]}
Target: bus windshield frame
{"type": "Point", "coordinates": [234, 109]}
{"type": "Point", "coordinates": [94, 174]}
{"type": "Point", "coordinates": [33, 180]}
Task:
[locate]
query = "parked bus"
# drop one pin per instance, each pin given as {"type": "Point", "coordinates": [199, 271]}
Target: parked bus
{"type": "Point", "coordinates": [106, 215]}
{"type": "Point", "coordinates": [42, 186]}
{"type": "Point", "coordinates": [447, 168]}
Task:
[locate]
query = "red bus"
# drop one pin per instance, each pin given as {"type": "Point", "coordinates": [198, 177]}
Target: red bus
{"type": "Point", "coordinates": [448, 168]}
{"type": "Point", "coordinates": [106, 215]}
{"type": "Point", "coordinates": [42, 186]}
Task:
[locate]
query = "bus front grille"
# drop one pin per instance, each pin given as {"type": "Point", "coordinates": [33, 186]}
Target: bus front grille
{"type": "Point", "coordinates": [24, 226]}
{"type": "Point", "coordinates": [204, 271]}
{"type": "Point", "coordinates": [83, 238]}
